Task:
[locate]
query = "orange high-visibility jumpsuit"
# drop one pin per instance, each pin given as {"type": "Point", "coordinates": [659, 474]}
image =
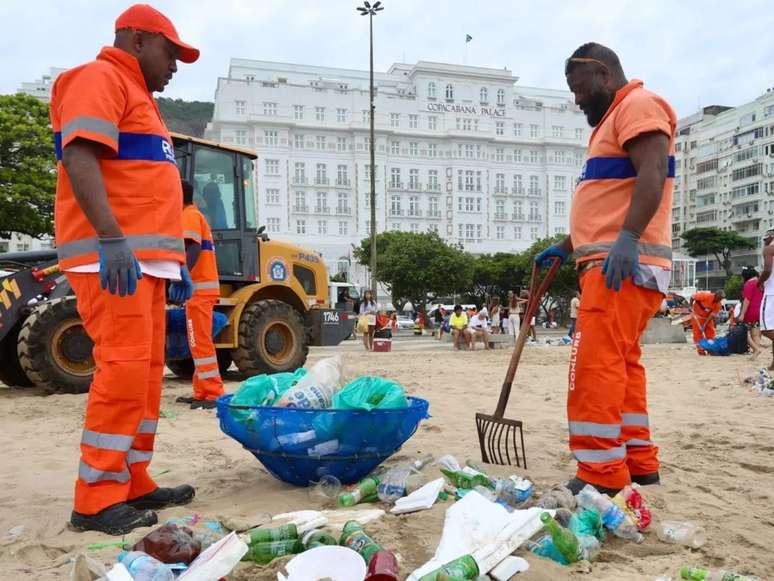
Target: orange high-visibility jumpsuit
{"type": "Point", "coordinates": [207, 383]}
{"type": "Point", "coordinates": [607, 403]}
{"type": "Point", "coordinates": [107, 102]}
{"type": "Point", "coordinates": [704, 311]}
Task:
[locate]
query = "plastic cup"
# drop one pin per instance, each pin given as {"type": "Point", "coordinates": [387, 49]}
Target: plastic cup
{"type": "Point", "coordinates": [326, 490]}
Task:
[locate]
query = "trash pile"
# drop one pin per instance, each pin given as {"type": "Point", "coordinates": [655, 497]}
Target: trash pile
{"type": "Point", "coordinates": [762, 383]}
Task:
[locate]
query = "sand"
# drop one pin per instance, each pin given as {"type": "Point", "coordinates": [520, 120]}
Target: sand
{"type": "Point", "coordinates": [716, 440]}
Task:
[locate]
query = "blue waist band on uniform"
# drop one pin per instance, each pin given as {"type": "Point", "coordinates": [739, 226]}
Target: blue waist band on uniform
{"type": "Point", "coordinates": [134, 147]}
{"type": "Point", "coordinates": [207, 245]}
{"type": "Point", "coordinates": [616, 168]}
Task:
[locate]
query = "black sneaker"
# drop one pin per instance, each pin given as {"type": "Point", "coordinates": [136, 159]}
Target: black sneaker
{"type": "Point", "coordinates": [575, 485]}
{"type": "Point", "coordinates": [162, 497]}
{"type": "Point", "coordinates": [646, 479]}
{"type": "Point", "coordinates": [117, 519]}
{"type": "Point", "coordinates": [203, 404]}
{"type": "Point", "coordinates": [184, 399]}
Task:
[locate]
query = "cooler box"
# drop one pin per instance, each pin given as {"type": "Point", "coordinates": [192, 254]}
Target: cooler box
{"type": "Point", "coordinates": [383, 345]}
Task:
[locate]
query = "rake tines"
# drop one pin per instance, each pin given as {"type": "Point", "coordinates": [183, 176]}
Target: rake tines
{"type": "Point", "coordinates": [499, 441]}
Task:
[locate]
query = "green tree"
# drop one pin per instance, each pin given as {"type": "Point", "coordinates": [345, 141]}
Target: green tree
{"type": "Point", "coordinates": [719, 243]}
{"type": "Point", "coordinates": [189, 117]}
{"type": "Point", "coordinates": [496, 274]}
{"type": "Point", "coordinates": [27, 167]}
{"type": "Point", "coordinates": [565, 282]}
{"type": "Point", "coordinates": [414, 266]}
{"type": "Point", "coordinates": [733, 287]}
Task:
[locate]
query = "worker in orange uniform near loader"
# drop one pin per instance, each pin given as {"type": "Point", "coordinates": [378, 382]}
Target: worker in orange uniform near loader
{"type": "Point", "coordinates": [620, 232]}
{"type": "Point", "coordinates": [200, 258]}
{"type": "Point", "coordinates": [705, 305]}
{"type": "Point", "coordinates": [119, 240]}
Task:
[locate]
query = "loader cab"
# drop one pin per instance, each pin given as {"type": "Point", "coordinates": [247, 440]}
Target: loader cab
{"type": "Point", "coordinates": [222, 178]}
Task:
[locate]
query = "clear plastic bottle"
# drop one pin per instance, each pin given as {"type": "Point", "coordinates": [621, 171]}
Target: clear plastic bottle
{"type": "Point", "coordinates": [399, 482]}
{"type": "Point", "coordinates": [514, 491]}
{"type": "Point", "coordinates": [614, 519]}
{"type": "Point", "coordinates": [697, 574]}
{"type": "Point", "coordinates": [681, 533]}
{"type": "Point", "coordinates": [143, 567]}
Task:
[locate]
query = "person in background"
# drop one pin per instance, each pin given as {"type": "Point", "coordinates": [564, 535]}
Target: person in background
{"type": "Point", "coordinates": [368, 310]}
{"type": "Point", "coordinates": [766, 286]}
{"type": "Point", "coordinates": [706, 305]}
{"type": "Point", "coordinates": [440, 313]}
{"type": "Point", "coordinates": [574, 306]}
{"type": "Point", "coordinates": [523, 300]}
{"type": "Point", "coordinates": [478, 327]}
{"type": "Point", "coordinates": [514, 312]}
{"type": "Point", "coordinates": [458, 323]}
{"type": "Point", "coordinates": [494, 313]}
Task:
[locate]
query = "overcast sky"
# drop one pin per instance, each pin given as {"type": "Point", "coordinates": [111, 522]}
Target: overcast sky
{"type": "Point", "coordinates": [694, 53]}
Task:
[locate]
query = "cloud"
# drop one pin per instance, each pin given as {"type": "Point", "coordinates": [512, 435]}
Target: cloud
{"type": "Point", "coordinates": [693, 53]}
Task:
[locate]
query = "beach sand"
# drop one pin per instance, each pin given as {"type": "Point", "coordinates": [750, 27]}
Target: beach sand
{"type": "Point", "coordinates": [716, 440]}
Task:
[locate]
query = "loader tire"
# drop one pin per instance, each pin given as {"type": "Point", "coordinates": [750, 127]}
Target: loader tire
{"type": "Point", "coordinates": [54, 348]}
{"type": "Point", "coordinates": [11, 372]}
{"type": "Point", "coordinates": [184, 368]}
{"type": "Point", "coordinates": [272, 338]}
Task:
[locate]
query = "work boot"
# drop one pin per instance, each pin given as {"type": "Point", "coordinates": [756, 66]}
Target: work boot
{"type": "Point", "coordinates": [646, 479]}
{"type": "Point", "coordinates": [162, 497]}
{"type": "Point", "coordinates": [117, 519]}
{"type": "Point", "coordinates": [185, 400]}
{"type": "Point", "coordinates": [202, 404]}
{"type": "Point", "coordinates": [575, 485]}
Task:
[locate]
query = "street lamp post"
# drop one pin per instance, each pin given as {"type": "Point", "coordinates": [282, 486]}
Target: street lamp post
{"type": "Point", "coordinates": [368, 10]}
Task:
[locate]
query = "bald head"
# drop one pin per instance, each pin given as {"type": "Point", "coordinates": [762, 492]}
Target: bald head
{"type": "Point", "coordinates": [594, 74]}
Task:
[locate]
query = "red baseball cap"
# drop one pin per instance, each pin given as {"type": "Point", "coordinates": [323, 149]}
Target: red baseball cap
{"type": "Point", "coordinates": [147, 18]}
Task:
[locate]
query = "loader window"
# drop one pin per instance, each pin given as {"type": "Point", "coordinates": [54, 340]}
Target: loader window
{"type": "Point", "coordinates": [305, 276]}
{"type": "Point", "coordinates": [214, 191]}
{"type": "Point", "coordinates": [247, 180]}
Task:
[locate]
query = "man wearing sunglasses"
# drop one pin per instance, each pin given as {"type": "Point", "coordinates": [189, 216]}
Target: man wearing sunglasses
{"type": "Point", "coordinates": [620, 234]}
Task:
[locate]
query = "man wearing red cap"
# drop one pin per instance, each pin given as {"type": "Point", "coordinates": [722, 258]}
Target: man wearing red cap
{"type": "Point", "coordinates": [119, 239]}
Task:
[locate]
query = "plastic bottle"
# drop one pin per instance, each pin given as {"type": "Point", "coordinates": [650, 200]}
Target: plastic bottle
{"type": "Point", "coordinates": [614, 519]}
{"type": "Point", "coordinates": [270, 535]}
{"type": "Point", "coordinates": [696, 574]}
{"type": "Point", "coordinates": [354, 537]}
{"type": "Point", "coordinates": [317, 538]}
{"type": "Point", "coordinates": [143, 567]}
{"type": "Point", "coordinates": [362, 490]}
{"type": "Point", "coordinates": [464, 567]}
{"type": "Point", "coordinates": [564, 540]}
{"type": "Point", "coordinates": [467, 478]}
{"type": "Point", "coordinates": [448, 462]}
{"type": "Point", "coordinates": [681, 533]}
{"type": "Point", "coordinates": [399, 482]}
{"type": "Point", "coordinates": [316, 388]}
{"type": "Point", "coordinates": [514, 491]}
{"type": "Point", "coordinates": [544, 547]}
{"type": "Point", "coordinates": [264, 553]}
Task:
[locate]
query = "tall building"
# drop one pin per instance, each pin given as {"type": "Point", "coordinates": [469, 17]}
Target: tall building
{"type": "Point", "coordinates": [460, 150]}
{"type": "Point", "coordinates": [41, 88]}
{"type": "Point", "coordinates": [725, 179]}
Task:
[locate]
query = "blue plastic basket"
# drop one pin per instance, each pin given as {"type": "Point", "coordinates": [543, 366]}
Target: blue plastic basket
{"type": "Point", "coordinates": [300, 446]}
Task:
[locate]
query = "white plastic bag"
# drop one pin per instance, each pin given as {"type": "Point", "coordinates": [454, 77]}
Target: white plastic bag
{"type": "Point", "coordinates": [316, 388]}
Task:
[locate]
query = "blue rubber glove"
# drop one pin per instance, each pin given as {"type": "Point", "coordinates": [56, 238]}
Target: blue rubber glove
{"type": "Point", "coordinates": [556, 251]}
{"type": "Point", "coordinates": [622, 260]}
{"type": "Point", "coordinates": [118, 268]}
{"type": "Point", "coordinates": [181, 290]}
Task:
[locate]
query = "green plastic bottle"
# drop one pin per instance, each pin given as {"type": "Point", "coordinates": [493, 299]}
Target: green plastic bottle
{"type": "Point", "coordinates": [364, 489]}
{"type": "Point", "coordinates": [354, 537]}
{"type": "Point", "coordinates": [467, 481]}
{"type": "Point", "coordinates": [317, 538]}
{"type": "Point", "coordinates": [270, 535]}
{"type": "Point", "coordinates": [697, 574]}
{"type": "Point", "coordinates": [564, 541]}
{"type": "Point", "coordinates": [464, 567]}
{"type": "Point", "coordinates": [264, 553]}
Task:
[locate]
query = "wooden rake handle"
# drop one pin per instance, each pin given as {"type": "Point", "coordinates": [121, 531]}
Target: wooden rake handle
{"type": "Point", "coordinates": [536, 292]}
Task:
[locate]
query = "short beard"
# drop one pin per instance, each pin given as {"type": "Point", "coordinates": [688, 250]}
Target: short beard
{"type": "Point", "coordinates": [597, 110]}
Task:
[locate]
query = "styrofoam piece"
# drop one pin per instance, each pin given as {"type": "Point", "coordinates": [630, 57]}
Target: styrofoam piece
{"type": "Point", "coordinates": [475, 525]}
{"type": "Point", "coordinates": [508, 567]}
{"type": "Point", "coordinates": [329, 562]}
{"type": "Point", "coordinates": [420, 499]}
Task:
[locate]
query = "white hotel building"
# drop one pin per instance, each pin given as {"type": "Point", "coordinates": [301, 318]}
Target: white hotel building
{"type": "Point", "coordinates": [460, 150]}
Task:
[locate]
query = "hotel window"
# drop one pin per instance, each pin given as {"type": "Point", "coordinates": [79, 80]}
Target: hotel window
{"type": "Point", "coordinates": [431, 90]}
{"type": "Point", "coordinates": [341, 144]}
{"type": "Point", "coordinates": [517, 155]}
{"type": "Point", "coordinates": [559, 209]}
{"type": "Point", "coordinates": [273, 224]}
{"type": "Point", "coordinates": [432, 122]}
{"type": "Point", "coordinates": [270, 109]}
{"type": "Point", "coordinates": [557, 131]}
{"type": "Point", "coordinates": [343, 228]}
{"type": "Point", "coordinates": [449, 92]}
{"type": "Point", "coordinates": [272, 167]}
{"type": "Point", "coordinates": [517, 129]}
{"type": "Point", "coordinates": [270, 138]}
{"type": "Point", "coordinates": [579, 134]}
{"type": "Point", "coordinates": [484, 94]}
{"type": "Point", "coordinates": [432, 150]}
{"type": "Point", "coordinates": [298, 141]}
{"type": "Point", "coordinates": [298, 112]}
{"type": "Point", "coordinates": [533, 130]}
{"type": "Point", "coordinates": [394, 147]}
{"type": "Point", "coordinates": [413, 149]}
{"type": "Point", "coordinates": [394, 119]}
{"type": "Point", "coordinates": [500, 96]}
{"type": "Point", "coordinates": [413, 121]}
{"type": "Point", "coordinates": [320, 142]}
{"type": "Point", "coordinates": [322, 227]}
{"type": "Point", "coordinates": [241, 137]}
{"type": "Point", "coordinates": [300, 226]}
{"type": "Point", "coordinates": [341, 115]}
{"type": "Point", "coordinates": [240, 107]}
{"type": "Point", "coordinates": [499, 128]}
{"type": "Point", "coordinates": [499, 154]}
{"type": "Point", "coordinates": [500, 232]}
{"type": "Point", "coordinates": [319, 113]}
{"type": "Point", "coordinates": [272, 196]}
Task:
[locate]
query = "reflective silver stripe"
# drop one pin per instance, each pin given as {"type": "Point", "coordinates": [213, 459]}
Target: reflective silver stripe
{"type": "Point", "coordinates": [207, 374]}
{"type": "Point", "coordinates": [192, 234]}
{"type": "Point", "coordinates": [600, 455]}
{"type": "Point", "coordinates": [91, 475]}
{"type": "Point", "coordinates": [148, 427]}
{"type": "Point", "coordinates": [595, 429]}
{"type": "Point", "coordinates": [134, 456]}
{"type": "Point", "coordinates": [635, 420]}
{"type": "Point", "coordinates": [93, 124]}
{"type": "Point", "coordinates": [205, 361]}
{"type": "Point", "coordinates": [116, 442]}
{"type": "Point", "coordinates": [136, 242]}
{"type": "Point", "coordinates": [656, 250]}
{"type": "Point", "coordinates": [203, 285]}
{"type": "Point", "coordinates": [636, 442]}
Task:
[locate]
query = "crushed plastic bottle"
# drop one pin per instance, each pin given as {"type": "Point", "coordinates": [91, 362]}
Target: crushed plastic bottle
{"type": "Point", "coordinates": [143, 567]}
{"type": "Point", "coordinates": [681, 533]}
{"type": "Point", "coordinates": [402, 480]}
{"type": "Point", "coordinates": [614, 519]}
{"type": "Point", "coordinates": [448, 462]}
{"type": "Point", "coordinates": [697, 574]}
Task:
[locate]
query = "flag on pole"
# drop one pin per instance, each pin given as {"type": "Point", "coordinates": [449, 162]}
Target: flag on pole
{"type": "Point", "coordinates": [468, 38]}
